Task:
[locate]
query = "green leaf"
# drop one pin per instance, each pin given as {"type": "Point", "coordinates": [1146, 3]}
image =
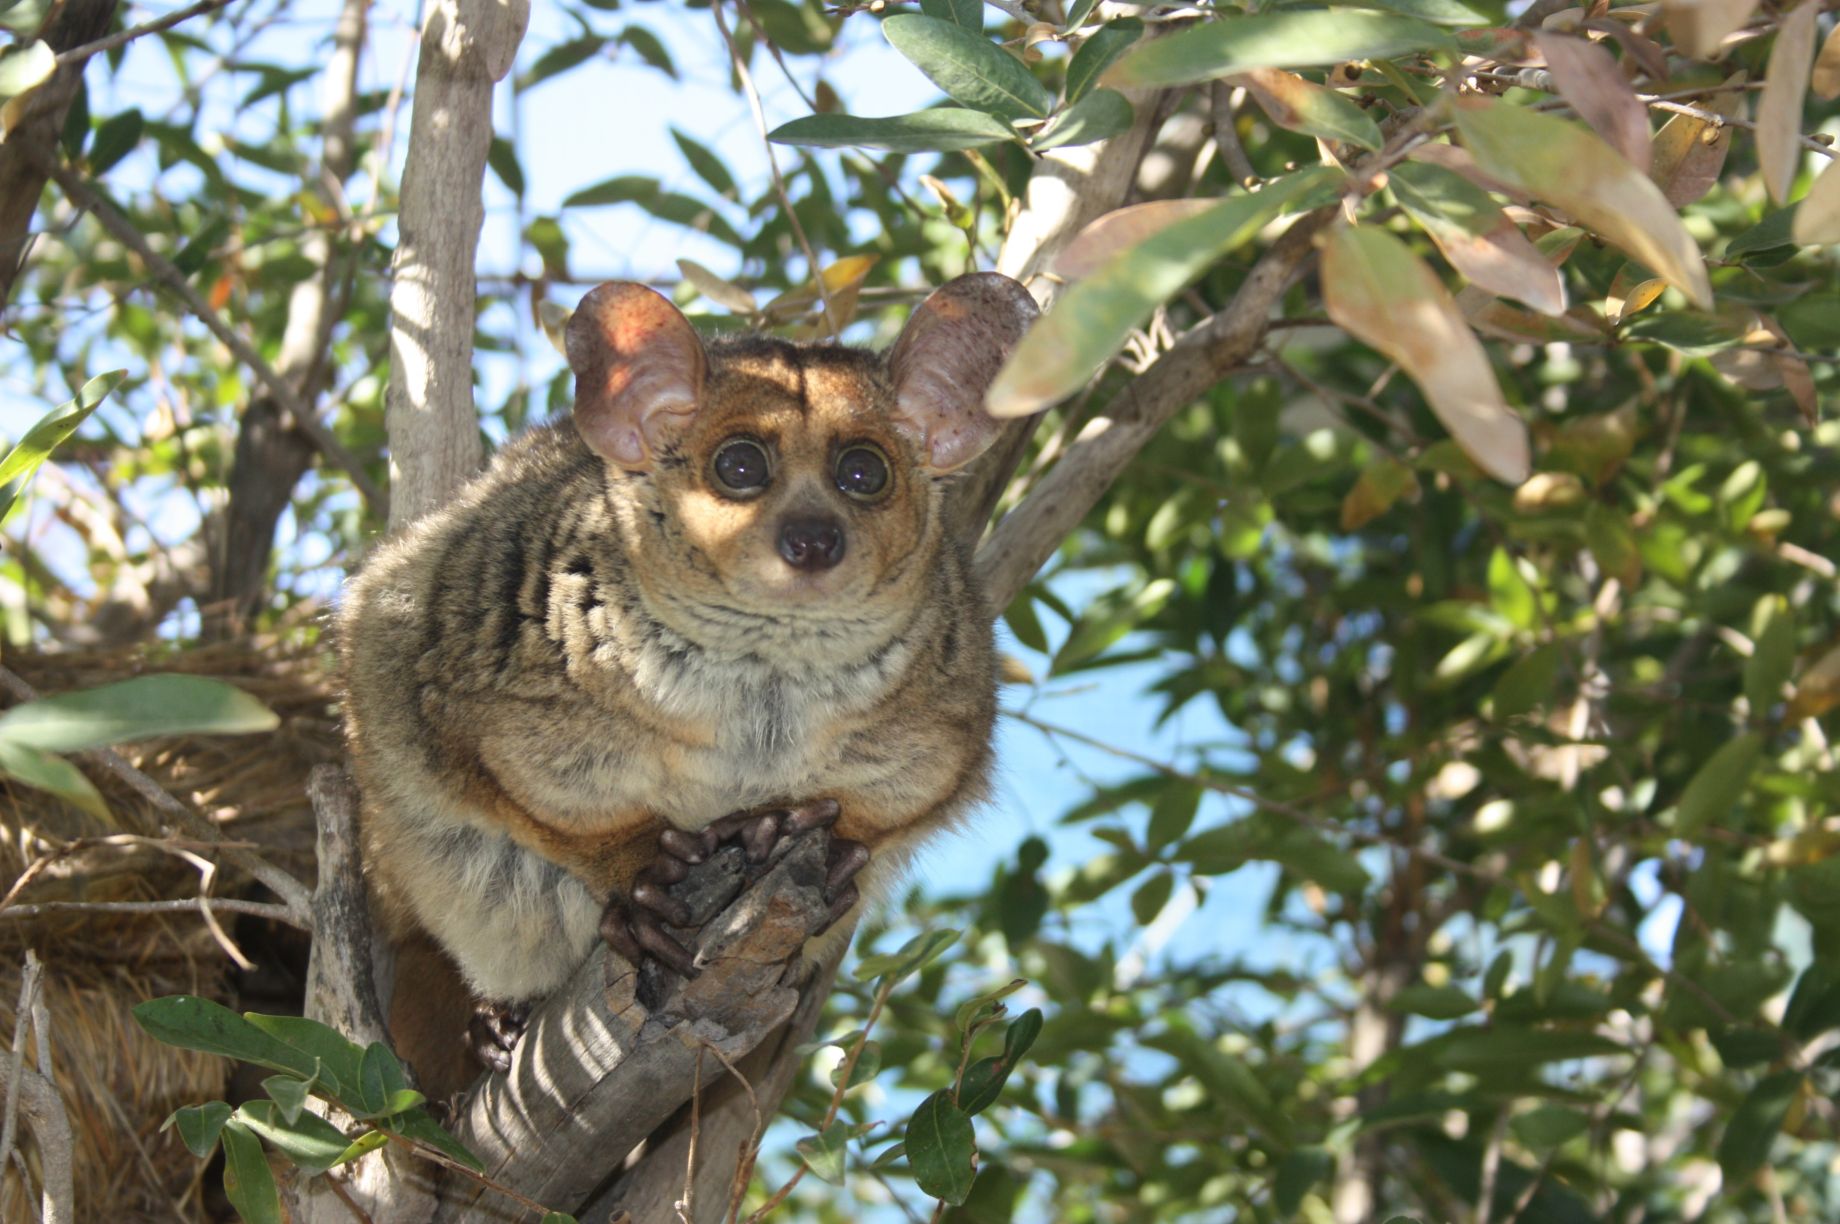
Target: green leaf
{"type": "Point", "coordinates": [648, 48]}
{"type": "Point", "coordinates": [1437, 12]}
{"type": "Point", "coordinates": [620, 189]}
{"type": "Point", "coordinates": [1772, 654]}
{"type": "Point", "coordinates": [1435, 1002]}
{"type": "Point", "coordinates": [1687, 332]}
{"type": "Point", "coordinates": [972, 70]}
{"type": "Point", "coordinates": [1549, 1126]}
{"type": "Point", "coordinates": [114, 140]}
{"type": "Point", "coordinates": [1814, 1005]}
{"type": "Point", "coordinates": [868, 1066]}
{"type": "Point", "coordinates": [192, 1023]}
{"type": "Point", "coordinates": [289, 1094]}
{"type": "Point", "coordinates": [1298, 1173]}
{"type": "Point", "coordinates": [560, 58]}
{"type": "Point", "coordinates": [914, 955]}
{"type": "Point", "coordinates": [419, 1127]}
{"type": "Point", "coordinates": [942, 1149]}
{"type": "Point", "coordinates": [984, 1007]}
{"type": "Point", "coordinates": [824, 1153]}
{"type": "Point", "coordinates": [1088, 325]}
{"type": "Point", "coordinates": [198, 1125]}
{"type": "Point", "coordinates": [50, 430]}
{"type": "Point", "coordinates": [1488, 1051]}
{"type": "Point", "coordinates": [1151, 896]}
{"type": "Point", "coordinates": [1718, 785]}
{"type": "Point", "coordinates": [502, 157]}
{"type": "Point", "coordinates": [1025, 624]}
{"type": "Point", "coordinates": [336, 1057]}
{"type": "Point", "coordinates": [1100, 50]}
{"type": "Point", "coordinates": [53, 774]}
{"type": "Point", "coordinates": [382, 1083]}
{"type": "Point", "coordinates": [24, 66]}
{"type": "Point", "coordinates": [1172, 814]}
{"type": "Point", "coordinates": [248, 1182]}
{"type": "Point", "coordinates": [1099, 115]}
{"type": "Point", "coordinates": [1754, 1126]}
{"type": "Point", "coordinates": [966, 13]}
{"type": "Point", "coordinates": [308, 1140]}
{"type": "Point", "coordinates": [1230, 1082]}
{"type": "Point", "coordinates": [707, 165]}
{"type": "Point", "coordinates": [135, 709]}
{"type": "Point", "coordinates": [942, 131]}
{"type": "Point", "coordinates": [1304, 106]}
{"type": "Point", "coordinates": [202, 245]}
{"type": "Point", "coordinates": [1527, 683]}
{"type": "Point", "coordinates": [1303, 39]}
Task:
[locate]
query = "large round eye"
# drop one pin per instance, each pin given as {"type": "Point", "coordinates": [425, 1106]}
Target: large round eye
{"type": "Point", "coordinates": [741, 466]}
{"type": "Point", "coordinates": [862, 471]}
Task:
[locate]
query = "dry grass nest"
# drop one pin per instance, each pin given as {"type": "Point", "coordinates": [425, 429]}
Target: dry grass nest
{"type": "Point", "coordinates": [118, 1085]}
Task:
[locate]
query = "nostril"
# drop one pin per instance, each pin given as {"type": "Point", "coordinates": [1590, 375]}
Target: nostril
{"type": "Point", "coordinates": [811, 544]}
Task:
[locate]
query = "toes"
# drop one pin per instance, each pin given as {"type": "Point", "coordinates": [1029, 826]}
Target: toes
{"type": "Point", "coordinates": [687, 847]}
{"type": "Point", "coordinates": [668, 951]}
{"type": "Point", "coordinates": [665, 870]}
{"type": "Point", "coordinates": [819, 815]}
{"type": "Point", "coordinates": [494, 1030]}
{"type": "Point", "coordinates": [841, 904]}
{"type": "Point", "coordinates": [759, 837]}
{"type": "Point", "coordinates": [616, 933]}
{"type": "Point", "coordinates": [653, 897]}
{"type": "Point", "coordinates": [847, 858]}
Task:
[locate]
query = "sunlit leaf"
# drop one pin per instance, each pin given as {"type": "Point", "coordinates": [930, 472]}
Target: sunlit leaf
{"type": "Point", "coordinates": [1295, 39]}
{"type": "Point", "coordinates": [1698, 27]}
{"type": "Point", "coordinates": [1298, 105]}
{"type": "Point", "coordinates": [1718, 785]}
{"type": "Point", "coordinates": [1588, 78]}
{"type": "Point", "coordinates": [1825, 80]}
{"type": "Point", "coordinates": [1689, 152]}
{"type": "Point", "coordinates": [311, 1142]}
{"type": "Point", "coordinates": [1098, 52]}
{"type": "Point", "coordinates": [23, 66]}
{"type": "Point", "coordinates": [972, 70]}
{"type": "Point", "coordinates": [133, 710]}
{"type": "Point", "coordinates": [199, 1125]}
{"type": "Point", "coordinates": [51, 429]}
{"type": "Point", "coordinates": [1817, 219]}
{"type": "Point", "coordinates": [248, 1182]}
{"type": "Point", "coordinates": [1477, 237]}
{"type": "Point", "coordinates": [941, 1149]}
{"type": "Point", "coordinates": [52, 774]}
{"type": "Point", "coordinates": [1376, 288]}
{"type": "Point", "coordinates": [1779, 110]}
{"type": "Point", "coordinates": [1088, 324]}
{"type": "Point", "coordinates": [941, 130]}
{"type": "Point", "coordinates": [725, 294]}
{"type": "Point", "coordinates": [1571, 167]}
{"type": "Point", "coordinates": [1099, 115]}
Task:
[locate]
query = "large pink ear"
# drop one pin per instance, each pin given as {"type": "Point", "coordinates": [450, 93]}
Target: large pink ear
{"type": "Point", "coordinates": [639, 370]}
{"type": "Point", "coordinates": [945, 360]}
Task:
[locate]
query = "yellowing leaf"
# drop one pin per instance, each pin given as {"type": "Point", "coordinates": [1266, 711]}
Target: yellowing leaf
{"type": "Point", "coordinates": [1121, 229]}
{"type": "Point", "coordinates": [1291, 39]}
{"type": "Point", "coordinates": [1698, 27]}
{"type": "Point", "coordinates": [1477, 237]}
{"type": "Point", "coordinates": [1378, 487]}
{"type": "Point", "coordinates": [1548, 491]}
{"type": "Point", "coordinates": [1386, 297]}
{"type": "Point", "coordinates": [1818, 690]}
{"type": "Point", "coordinates": [1779, 112]}
{"type": "Point", "coordinates": [1588, 78]}
{"type": "Point", "coordinates": [1297, 105]}
{"type": "Point", "coordinates": [1689, 152]}
{"type": "Point", "coordinates": [1089, 323]}
{"type": "Point", "coordinates": [1628, 295]}
{"type": "Point", "coordinates": [1826, 78]}
{"type": "Point", "coordinates": [1817, 221]}
{"type": "Point", "coordinates": [725, 294]}
{"type": "Point", "coordinates": [1571, 167]}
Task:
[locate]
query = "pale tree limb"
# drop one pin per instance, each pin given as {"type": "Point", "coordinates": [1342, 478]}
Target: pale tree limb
{"type": "Point", "coordinates": [467, 47]}
{"type": "Point", "coordinates": [32, 1095]}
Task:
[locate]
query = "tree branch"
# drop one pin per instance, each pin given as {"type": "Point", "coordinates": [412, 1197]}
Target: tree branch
{"type": "Point", "coordinates": [121, 38]}
{"type": "Point", "coordinates": [467, 47]}
{"type": "Point", "coordinates": [124, 231]}
{"type": "Point", "coordinates": [1030, 533]}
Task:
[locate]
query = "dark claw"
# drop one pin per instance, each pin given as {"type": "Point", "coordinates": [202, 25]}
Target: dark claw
{"type": "Point", "coordinates": [846, 859]}
{"type": "Point", "coordinates": [653, 897]}
{"type": "Point", "coordinates": [494, 1030]}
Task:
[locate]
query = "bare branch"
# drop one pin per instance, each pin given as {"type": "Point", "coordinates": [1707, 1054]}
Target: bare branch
{"type": "Point", "coordinates": [124, 231]}
{"type": "Point", "coordinates": [177, 905]}
{"type": "Point", "coordinates": [1028, 536]}
{"type": "Point", "coordinates": [121, 38]}
{"type": "Point", "coordinates": [32, 1095]}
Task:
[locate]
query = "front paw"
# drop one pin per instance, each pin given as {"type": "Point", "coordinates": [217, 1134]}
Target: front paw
{"type": "Point", "coordinates": [494, 1030]}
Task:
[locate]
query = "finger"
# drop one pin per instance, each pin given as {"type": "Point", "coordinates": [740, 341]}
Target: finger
{"type": "Point", "coordinates": [847, 858]}
{"type": "Point", "coordinates": [760, 836]}
{"type": "Point", "coordinates": [654, 898]}
{"type": "Point", "coordinates": [689, 847]}
{"type": "Point", "coordinates": [819, 815]}
{"type": "Point", "coordinates": [841, 905]}
{"type": "Point", "coordinates": [616, 933]}
{"type": "Point", "coordinates": [652, 938]}
{"type": "Point", "coordinates": [665, 870]}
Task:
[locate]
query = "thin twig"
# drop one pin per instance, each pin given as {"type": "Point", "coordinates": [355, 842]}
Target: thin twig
{"type": "Point", "coordinates": [271, 910]}
{"type": "Point", "coordinates": [122, 38]}
{"type": "Point", "coordinates": [125, 232]}
{"type": "Point", "coordinates": [28, 987]}
{"type": "Point", "coordinates": [779, 182]}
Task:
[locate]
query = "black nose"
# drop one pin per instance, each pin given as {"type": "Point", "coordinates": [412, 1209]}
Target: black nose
{"type": "Point", "coordinates": [811, 544]}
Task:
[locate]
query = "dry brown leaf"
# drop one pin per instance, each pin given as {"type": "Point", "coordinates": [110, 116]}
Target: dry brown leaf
{"type": "Point", "coordinates": [1493, 317]}
{"type": "Point", "coordinates": [1779, 113]}
{"type": "Point", "coordinates": [1503, 261]}
{"type": "Point", "coordinates": [1826, 78]}
{"type": "Point", "coordinates": [1796, 378]}
{"type": "Point", "coordinates": [1818, 689]}
{"type": "Point", "coordinates": [1750, 367]}
{"type": "Point", "coordinates": [723, 293]}
{"type": "Point", "coordinates": [1690, 152]}
{"type": "Point", "coordinates": [1644, 51]}
{"type": "Point", "coordinates": [1094, 246]}
{"type": "Point", "coordinates": [1588, 77]}
{"type": "Point", "coordinates": [1567, 165]}
{"type": "Point", "coordinates": [1817, 220]}
{"type": "Point", "coordinates": [1699, 27]}
{"type": "Point", "coordinates": [1385, 296]}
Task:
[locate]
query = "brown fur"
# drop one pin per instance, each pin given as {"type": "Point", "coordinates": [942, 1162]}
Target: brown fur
{"type": "Point", "coordinates": [595, 641]}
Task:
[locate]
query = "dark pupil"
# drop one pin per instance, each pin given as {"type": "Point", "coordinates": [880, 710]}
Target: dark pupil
{"type": "Point", "coordinates": [741, 465]}
{"type": "Point", "coordinates": [861, 472]}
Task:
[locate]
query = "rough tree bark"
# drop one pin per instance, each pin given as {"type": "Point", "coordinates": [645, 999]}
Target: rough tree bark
{"type": "Point", "coordinates": [271, 452]}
